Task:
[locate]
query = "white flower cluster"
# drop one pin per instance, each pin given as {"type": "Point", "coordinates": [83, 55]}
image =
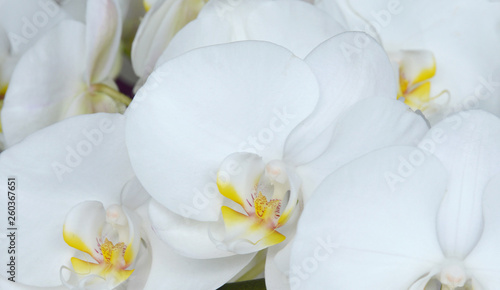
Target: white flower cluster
{"type": "Point", "coordinates": [249, 144]}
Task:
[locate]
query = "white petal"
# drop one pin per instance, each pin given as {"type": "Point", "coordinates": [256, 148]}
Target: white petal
{"type": "Point", "coordinates": [468, 147]}
{"type": "Point", "coordinates": [134, 195]}
{"type": "Point", "coordinates": [157, 28]}
{"type": "Point", "coordinates": [189, 238]}
{"type": "Point", "coordinates": [7, 284]}
{"type": "Point", "coordinates": [4, 44]}
{"type": "Point", "coordinates": [103, 32]}
{"type": "Point", "coordinates": [178, 272]}
{"type": "Point", "coordinates": [481, 262]}
{"type": "Point", "coordinates": [35, 98]}
{"type": "Point", "coordinates": [79, 159]}
{"type": "Point", "coordinates": [349, 67]}
{"type": "Point", "coordinates": [197, 109]}
{"type": "Point", "coordinates": [76, 9]}
{"type": "Point", "coordinates": [26, 21]}
{"type": "Point", "coordinates": [368, 125]}
{"type": "Point", "coordinates": [295, 25]}
{"type": "Point", "coordinates": [362, 230]}
{"type": "Point", "coordinates": [278, 265]}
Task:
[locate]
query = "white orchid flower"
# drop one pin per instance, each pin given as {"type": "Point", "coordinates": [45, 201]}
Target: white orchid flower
{"type": "Point", "coordinates": [425, 40]}
{"type": "Point", "coordinates": [423, 217]}
{"type": "Point", "coordinates": [229, 140]}
{"type": "Point", "coordinates": [65, 166]}
{"type": "Point", "coordinates": [80, 60]}
{"type": "Point", "coordinates": [295, 25]}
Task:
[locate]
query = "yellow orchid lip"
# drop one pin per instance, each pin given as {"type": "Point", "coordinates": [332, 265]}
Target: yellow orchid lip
{"type": "Point", "coordinates": [107, 236]}
{"type": "Point", "coordinates": [264, 194]}
{"type": "Point", "coordinates": [112, 262]}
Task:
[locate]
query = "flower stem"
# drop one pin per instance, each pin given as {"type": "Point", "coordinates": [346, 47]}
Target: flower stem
{"type": "Point", "coordinates": [114, 94]}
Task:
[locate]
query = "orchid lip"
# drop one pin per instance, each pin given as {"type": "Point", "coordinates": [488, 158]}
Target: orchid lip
{"type": "Point", "coordinates": [107, 236]}
{"type": "Point", "coordinates": [264, 200]}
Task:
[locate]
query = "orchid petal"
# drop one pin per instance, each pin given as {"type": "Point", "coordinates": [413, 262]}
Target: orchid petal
{"type": "Point", "coordinates": [103, 32]}
{"type": "Point", "coordinates": [296, 25]}
{"type": "Point", "coordinates": [4, 45]}
{"type": "Point", "coordinates": [359, 229]}
{"type": "Point", "coordinates": [76, 9]}
{"type": "Point", "coordinates": [468, 149]}
{"type": "Point", "coordinates": [26, 21]}
{"type": "Point", "coordinates": [306, 26]}
{"type": "Point", "coordinates": [7, 284]}
{"type": "Point", "coordinates": [134, 195]}
{"type": "Point", "coordinates": [347, 73]}
{"type": "Point", "coordinates": [368, 125]}
{"type": "Point", "coordinates": [35, 98]}
{"type": "Point", "coordinates": [275, 278]}
{"type": "Point", "coordinates": [168, 267]}
{"type": "Point", "coordinates": [234, 85]}
{"type": "Point", "coordinates": [481, 262]}
{"type": "Point", "coordinates": [57, 168]}
{"type": "Point", "coordinates": [278, 262]}
{"type": "Point", "coordinates": [189, 238]}
{"type": "Point", "coordinates": [157, 28]}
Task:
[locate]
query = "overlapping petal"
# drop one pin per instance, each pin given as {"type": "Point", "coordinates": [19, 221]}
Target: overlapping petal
{"type": "Point", "coordinates": [358, 230]}
{"type": "Point", "coordinates": [295, 25]}
{"type": "Point", "coordinates": [27, 21]}
{"type": "Point", "coordinates": [349, 68]}
{"type": "Point", "coordinates": [187, 237]}
{"type": "Point", "coordinates": [103, 32]}
{"type": "Point", "coordinates": [468, 148]}
{"type": "Point", "coordinates": [157, 28]}
{"type": "Point", "coordinates": [368, 125]}
{"type": "Point", "coordinates": [481, 261]}
{"type": "Point", "coordinates": [247, 97]}
{"type": "Point", "coordinates": [24, 111]}
{"type": "Point", "coordinates": [170, 268]}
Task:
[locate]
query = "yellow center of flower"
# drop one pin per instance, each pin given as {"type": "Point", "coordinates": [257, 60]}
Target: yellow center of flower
{"type": "Point", "coordinates": [265, 209]}
{"type": "Point", "coordinates": [112, 253]}
{"type": "Point", "coordinates": [112, 265]}
{"type": "Point", "coordinates": [265, 197]}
